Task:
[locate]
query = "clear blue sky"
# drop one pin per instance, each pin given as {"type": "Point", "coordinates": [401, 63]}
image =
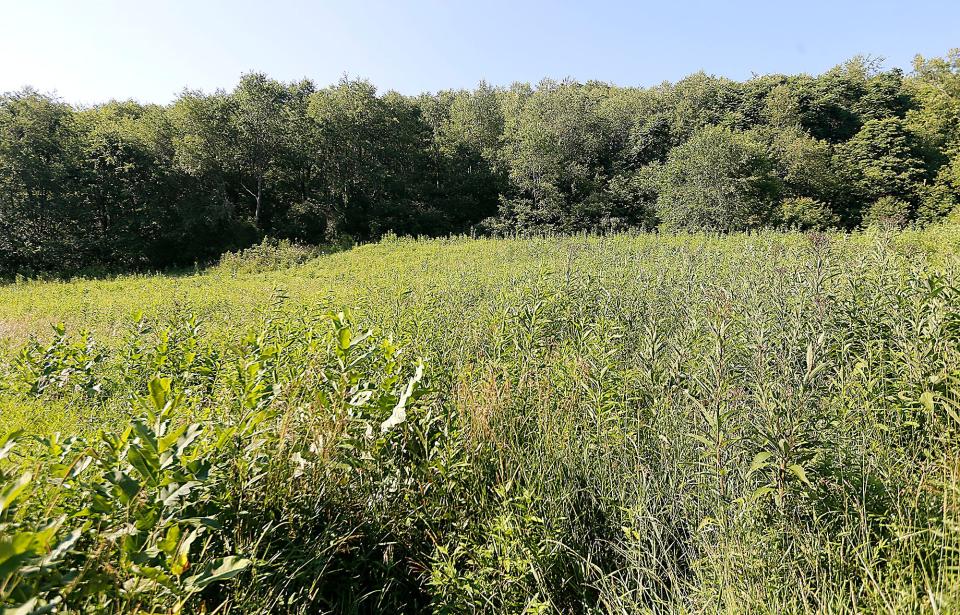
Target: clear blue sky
{"type": "Point", "coordinates": [93, 50]}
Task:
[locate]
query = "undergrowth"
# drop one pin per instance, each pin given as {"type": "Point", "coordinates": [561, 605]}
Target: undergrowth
{"type": "Point", "coordinates": [680, 424]}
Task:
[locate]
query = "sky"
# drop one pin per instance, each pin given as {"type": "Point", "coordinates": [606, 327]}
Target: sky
{"type": "Point", "coordinates": [89, 51]}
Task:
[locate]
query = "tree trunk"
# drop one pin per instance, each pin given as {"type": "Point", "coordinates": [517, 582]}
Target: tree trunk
{"type": "Point", "coordinates": [258, 197]}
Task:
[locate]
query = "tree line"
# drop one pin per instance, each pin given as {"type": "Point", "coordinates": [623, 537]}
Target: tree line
{"type": "Point", "coordinates": [124, 185]}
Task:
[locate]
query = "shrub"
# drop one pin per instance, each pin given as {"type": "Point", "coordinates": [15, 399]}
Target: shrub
{"type": "Point", "coordinates": [153, 516]}
{"type": "Point", "coordinates": [888, 211]}
{"type": "Point", "coordinates": [807, 214]}
{"type": "Point", "coordinates": [268, 255]}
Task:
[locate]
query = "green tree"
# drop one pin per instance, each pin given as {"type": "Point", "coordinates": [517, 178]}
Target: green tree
{"type": "Point", "coordinates": [805, 167]}
{"type": "Point", "coordinates": [719, 180]}
{"type": "Point", "coordinates": [468, 171]}
{"type": "Point", "coordinates": [807, 214]}
{"type": "Point", "coordinates": [350, 121]}
{"type": "Point", "coordinates": [558, 150]}
{"type": "Point", "coordinates": [888, 211]}
{"type": "Point", "coordinates": [127, 185]}
{"type": "Point", "coordinates": [935, 120]}
{"type": "Point", "coordinates": [881, 160]}
{"type": "Point", "coordinates": [258, 129]}
{"type": "Point", "coordinates": [41, 213]}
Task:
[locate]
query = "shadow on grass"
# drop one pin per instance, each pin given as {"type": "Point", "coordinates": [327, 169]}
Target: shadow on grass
{"type": "Point", "coordinates": [268, 255]}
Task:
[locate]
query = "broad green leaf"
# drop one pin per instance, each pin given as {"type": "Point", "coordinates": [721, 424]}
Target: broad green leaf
{"type": "Point", "coordinates": [12, 491]}
{"type": "Point", "coordinates": [759, 461]}
{"type": "Point", "coordinates": [800, 473]}
{"type": "Point", "coordinates": [343, 338]}
{"type": "Point", "coordinates": [170, 540]}
{"type": "Point", "coordinates": [170, 438]}
{"type": "Point", "coordinates": [15, 550]}
{"type": "Point", "coordinates": [145, 463]}
{"type": "Point", "coordinates": [180, 561]}
{"type": "Point", "coordinates": [147, 436]}
{"type": "Point", "coordinates": [399, 414]}
{"type": "Point", "coordinates": [60, 549]}
{"type": "Point", "coordinates": [762, 491]}
{"type": "Point", "coordinates": [8, 441]}
{"type": "Point", "coordinates": [159, 392]}
{"type": "Point", "coordinates": [220, 569]}
{"type": "Point", "coordinates": [125, 486]}
{"type": "Point", "coordinates": [33, 606]}
{"type": "Point", "coordinates": [173, 494]}
{"type": "Point", "coordinates": [192, 433]}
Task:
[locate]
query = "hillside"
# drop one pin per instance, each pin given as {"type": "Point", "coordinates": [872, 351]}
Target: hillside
{"type": "Point", "coordinates": [761, 422]}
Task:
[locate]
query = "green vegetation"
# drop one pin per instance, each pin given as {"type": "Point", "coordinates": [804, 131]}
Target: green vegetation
{"type": "Point", "coordinates": [693, 423]}
{"type": "Point", "coordinates": [129, 187]}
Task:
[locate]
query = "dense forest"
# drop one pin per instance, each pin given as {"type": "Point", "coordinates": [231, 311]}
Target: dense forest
{"type": "Point", "coordinates": [129, 186]}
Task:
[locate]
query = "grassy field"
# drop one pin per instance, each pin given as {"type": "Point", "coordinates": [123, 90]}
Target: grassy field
{"type": "Point", "coordinates": [652, 423]}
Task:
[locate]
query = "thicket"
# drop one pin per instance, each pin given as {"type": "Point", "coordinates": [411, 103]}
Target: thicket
{"type": "Point", "coordinates": [693, 423]}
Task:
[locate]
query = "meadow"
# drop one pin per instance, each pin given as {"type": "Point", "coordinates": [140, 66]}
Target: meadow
{"type": "Point", "coordinates": [649, 423]}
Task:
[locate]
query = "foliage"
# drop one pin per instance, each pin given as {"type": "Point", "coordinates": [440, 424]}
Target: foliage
{"type": "Point", "coordinates": [762, 422]}
{"type": "Point", "coordinates": [268, 255]}
{"type": "Point", "coordinates": [719, 180]}
{"type": "Point", "coordinates": [881, 161]}
{"type": "Point", "coordinates": [807, 214]}
{"type": "Point", "coordinates": [123, 186]}
{"type": "Point", "coordinates": [888, 211]}
{"type": "Point", "coordinates": [152, 517]}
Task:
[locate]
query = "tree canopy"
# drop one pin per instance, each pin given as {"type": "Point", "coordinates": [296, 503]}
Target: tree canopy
{"type": "Point", "coordinates": [124, 185]}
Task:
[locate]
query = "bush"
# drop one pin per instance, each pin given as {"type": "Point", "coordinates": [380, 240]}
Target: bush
{"type": "Point", "coordinates": [153, 516]}
{"type": "Point", "coordinates": [269, 255]}
{"type": "Point", "coordinates": [939, 199]}
{"type": "Point", "coordinates": [807, 214]}
{"type": "Point", "coordinates": [887, 211]}
{"type": "Point", "coordinates": [306, 221]}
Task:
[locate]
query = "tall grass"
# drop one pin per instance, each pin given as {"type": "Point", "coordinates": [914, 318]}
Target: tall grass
{"type": "Point", "coordinates": [689, 424]}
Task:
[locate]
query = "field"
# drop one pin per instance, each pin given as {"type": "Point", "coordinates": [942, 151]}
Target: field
{"type": "Point", "coordinates": [762, 423]}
